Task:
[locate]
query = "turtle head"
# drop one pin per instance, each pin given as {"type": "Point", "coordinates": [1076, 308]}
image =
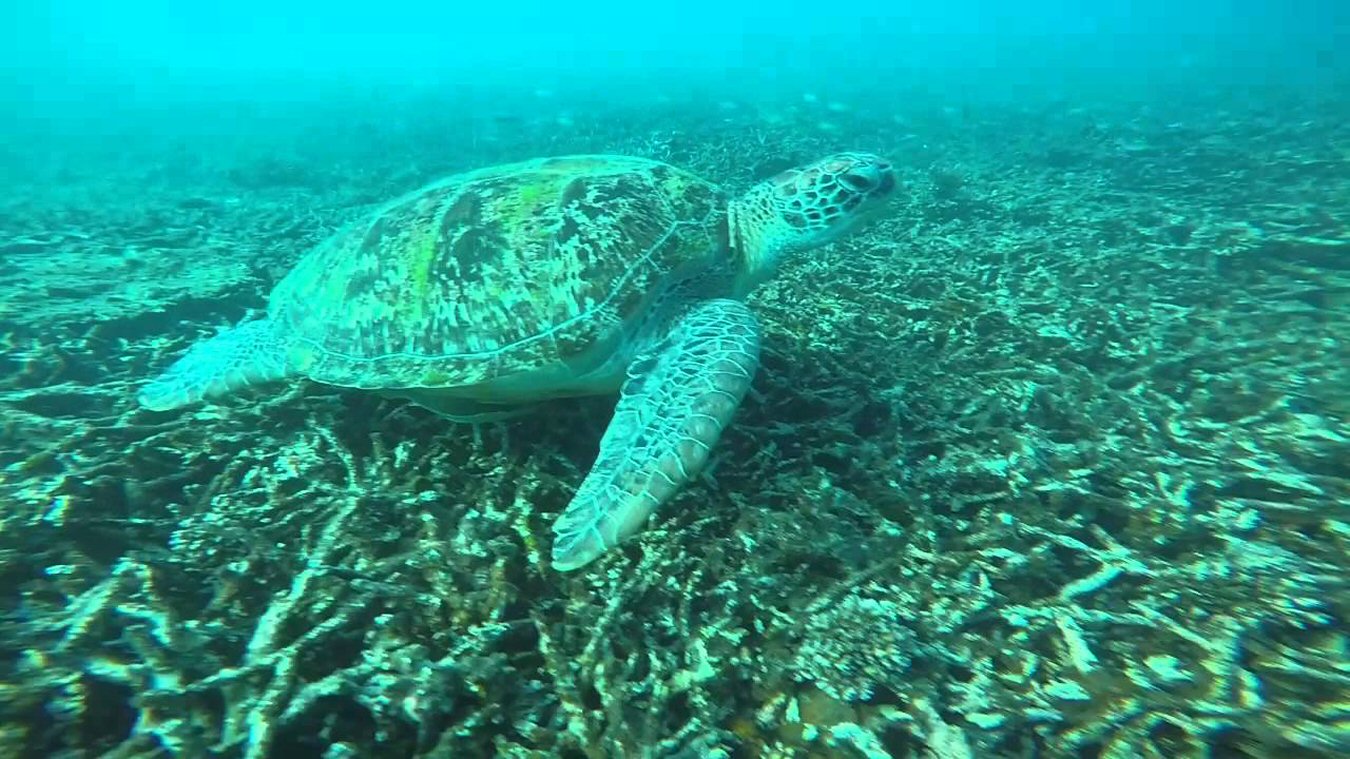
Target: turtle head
{"type": "Point", "coordinates": [808, 206]}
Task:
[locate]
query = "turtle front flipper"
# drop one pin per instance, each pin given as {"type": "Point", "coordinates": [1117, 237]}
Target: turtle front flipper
{"type": "Point", "coordinates": [248, 354]}
{"type": "Point", "coordinates": [678, 397]}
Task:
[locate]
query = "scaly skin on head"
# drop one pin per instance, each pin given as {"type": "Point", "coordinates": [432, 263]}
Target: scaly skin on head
{"type": "Point", "coordinates": [804, 208]}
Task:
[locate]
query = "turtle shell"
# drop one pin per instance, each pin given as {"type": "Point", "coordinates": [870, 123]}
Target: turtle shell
{"type": "Point", "coordinates": [512, 269]}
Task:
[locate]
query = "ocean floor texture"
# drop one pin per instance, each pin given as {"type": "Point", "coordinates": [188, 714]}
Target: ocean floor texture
{"type": "Point", "coordinates": [1054, 461]}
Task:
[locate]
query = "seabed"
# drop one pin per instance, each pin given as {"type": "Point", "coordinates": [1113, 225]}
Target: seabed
{"type": "Point", "coordinates": [1052, 462]}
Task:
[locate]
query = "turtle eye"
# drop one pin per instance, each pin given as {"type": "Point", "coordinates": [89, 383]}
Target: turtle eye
{"type": "Point", "coordinates": [857, 182]}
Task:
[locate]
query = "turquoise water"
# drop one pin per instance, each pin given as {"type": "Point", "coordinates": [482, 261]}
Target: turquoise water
{"type": "Point", "coordinates": [1049, 455]}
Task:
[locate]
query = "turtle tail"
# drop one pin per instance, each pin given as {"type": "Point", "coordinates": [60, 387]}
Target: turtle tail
{"type": "Point", "coordinates": [245, 355]}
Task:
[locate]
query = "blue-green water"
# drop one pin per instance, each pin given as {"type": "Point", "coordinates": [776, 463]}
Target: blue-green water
{"type": "Point", "coordinates": [1049, 457]}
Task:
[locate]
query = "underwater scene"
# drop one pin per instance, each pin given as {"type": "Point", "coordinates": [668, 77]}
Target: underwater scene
{"type": "Point", "coordinates": [724, 381]}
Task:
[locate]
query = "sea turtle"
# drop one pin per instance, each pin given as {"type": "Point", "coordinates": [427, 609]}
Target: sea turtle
{"type": "Point", "coordinates": [566, 276]}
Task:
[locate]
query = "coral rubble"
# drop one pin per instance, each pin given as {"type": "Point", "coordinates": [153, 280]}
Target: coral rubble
{"type": "Point", "coordinates": [1055, 462]}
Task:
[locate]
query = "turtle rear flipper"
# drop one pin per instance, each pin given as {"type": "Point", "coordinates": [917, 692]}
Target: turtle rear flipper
{"type": "Point", "coordinates": [246, 355]}
{"type": "Point", "coordinates": [673, 407]}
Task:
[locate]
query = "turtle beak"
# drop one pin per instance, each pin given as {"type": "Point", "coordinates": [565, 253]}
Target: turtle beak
{"type": "Point", "coordinates": [886, 185]}
{"type": "Point", "coordinates": [871, 178]}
